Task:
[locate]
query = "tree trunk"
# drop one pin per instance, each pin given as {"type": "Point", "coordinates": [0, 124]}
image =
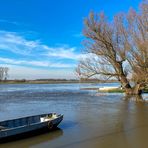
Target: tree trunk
{"type": "Point", "coordinates": [125, 83]}
{"type": "Point", "coordinates": [122, 77]}
{"type": "Point", "coordinates": [134, 91]}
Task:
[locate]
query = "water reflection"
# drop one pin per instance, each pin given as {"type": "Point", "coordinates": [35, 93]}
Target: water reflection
{"type": "Point", "coordinates": [33, 140]}
{"type": "Point", "coordinates": [136, 98]}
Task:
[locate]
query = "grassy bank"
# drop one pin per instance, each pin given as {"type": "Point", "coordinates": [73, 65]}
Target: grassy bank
{"type": "Point", "coordinates": [118, 90]}
{"type": "Point", "coordinates": [115, 90]}
{"type": "Point", "coordinates": [145, 90]}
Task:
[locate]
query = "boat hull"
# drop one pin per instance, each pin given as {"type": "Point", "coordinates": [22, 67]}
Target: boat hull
{"type": "Point", "coordinates": [31, 128]}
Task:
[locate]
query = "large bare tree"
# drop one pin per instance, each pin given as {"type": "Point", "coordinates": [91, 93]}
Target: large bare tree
{"type": "Point", "coordinates": [117, 49]}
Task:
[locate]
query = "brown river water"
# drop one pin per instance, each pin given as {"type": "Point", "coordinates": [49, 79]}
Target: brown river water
{"type": "Point", "coordinates": [91, 119]}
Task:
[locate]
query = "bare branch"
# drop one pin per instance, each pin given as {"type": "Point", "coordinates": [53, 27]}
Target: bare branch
{"type": "Point", "coordinates": [119, 48]}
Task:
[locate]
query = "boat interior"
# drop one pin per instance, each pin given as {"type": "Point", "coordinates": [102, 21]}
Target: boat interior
{"type": "Point", "coordinates": [26, 121]}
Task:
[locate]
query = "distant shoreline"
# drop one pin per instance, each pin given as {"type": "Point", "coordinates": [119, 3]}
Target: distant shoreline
{"type": "Point", "coordinates": [52, 81]}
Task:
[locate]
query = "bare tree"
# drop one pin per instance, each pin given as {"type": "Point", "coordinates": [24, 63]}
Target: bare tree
{"type": "Point", "coordinates": [117, 49]}
{"type": "Point", "coordinates": [4, 73]}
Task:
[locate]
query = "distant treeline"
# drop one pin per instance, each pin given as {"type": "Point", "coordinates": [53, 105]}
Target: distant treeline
{"type": "Point", "coordinates": [42, 81]}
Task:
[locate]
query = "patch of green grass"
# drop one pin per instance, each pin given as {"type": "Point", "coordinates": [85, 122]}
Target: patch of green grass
{"type": "Point", "coordinates": [117, 90]}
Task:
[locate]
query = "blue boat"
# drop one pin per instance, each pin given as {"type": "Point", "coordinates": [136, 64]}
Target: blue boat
{"type": "Point", "coordinates": [19, 126]}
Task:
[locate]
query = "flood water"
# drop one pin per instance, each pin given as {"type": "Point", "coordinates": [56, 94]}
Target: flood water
{"type": "Point", "coordinates": [91, 119]}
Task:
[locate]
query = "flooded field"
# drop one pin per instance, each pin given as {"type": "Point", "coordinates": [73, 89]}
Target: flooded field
{"type": "Point", "coordinates": [91, 119]}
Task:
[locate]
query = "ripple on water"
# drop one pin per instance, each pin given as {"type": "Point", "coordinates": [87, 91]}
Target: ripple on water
{"type": "Point", "coordinates": [90, 119]}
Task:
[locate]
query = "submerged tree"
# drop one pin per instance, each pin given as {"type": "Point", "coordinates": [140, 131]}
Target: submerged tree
{"type": "Point", "coordinates": [117, 49]}
{"type": "Point", "coordinates": [3, 73]}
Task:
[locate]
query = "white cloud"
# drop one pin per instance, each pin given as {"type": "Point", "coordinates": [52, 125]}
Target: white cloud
{"type": "Point", "coordinates": [36, 63]}
{"type": "Point", "coordinates": [22, 72]}
{"type": "Point", "coordinates": [17, 44]}
{"type": "Point", "coordinates": [61, 52]}
{"type": "Point", "coordinates": [33, 53]}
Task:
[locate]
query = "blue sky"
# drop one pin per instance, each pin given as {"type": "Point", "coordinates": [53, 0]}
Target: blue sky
{"type": "Point", "coordinates": [42, 38]}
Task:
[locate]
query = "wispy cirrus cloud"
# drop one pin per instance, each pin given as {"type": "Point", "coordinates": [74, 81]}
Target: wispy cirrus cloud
{"type": "Point", "coordinates": [35, 63]}
{"type": "Point", "coordinates": [15, 43]}
{"type": "Point", "coordinates": [63, 52]}
{"type": "Point", "coordinates": [8, 22]}
{"type": "Point", "coordinates": [35, 53]}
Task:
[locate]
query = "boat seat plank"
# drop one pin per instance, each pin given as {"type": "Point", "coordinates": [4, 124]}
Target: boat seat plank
{"type": "Point", "coordinates": [2, 128]}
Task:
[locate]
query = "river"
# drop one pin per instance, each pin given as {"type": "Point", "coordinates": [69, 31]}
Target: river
{"type": "Point", "coordinates": [91, 119]}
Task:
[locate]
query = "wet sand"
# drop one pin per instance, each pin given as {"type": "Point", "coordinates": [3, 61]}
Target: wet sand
{"type": "Point", "coordinates": [91, 120]}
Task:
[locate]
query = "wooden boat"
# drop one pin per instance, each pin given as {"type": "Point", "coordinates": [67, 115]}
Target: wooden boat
{"type": "Point", "coordinates": [29, 124]}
